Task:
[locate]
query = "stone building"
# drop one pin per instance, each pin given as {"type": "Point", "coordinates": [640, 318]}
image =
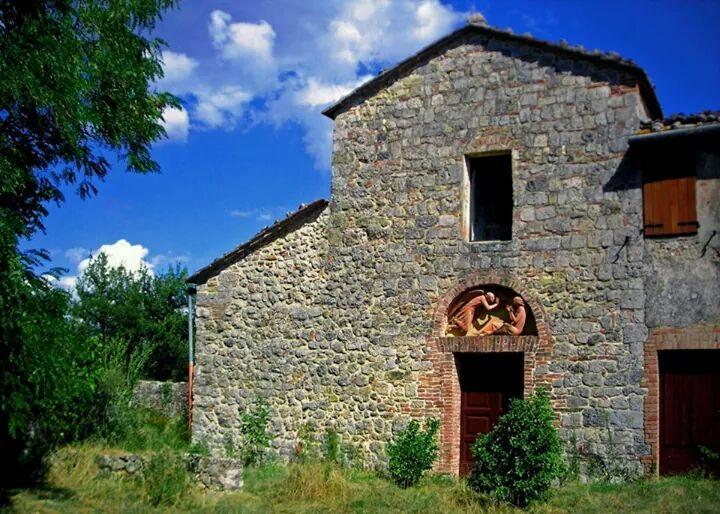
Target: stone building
{"type": "Point", "coordinates": [488, 178]}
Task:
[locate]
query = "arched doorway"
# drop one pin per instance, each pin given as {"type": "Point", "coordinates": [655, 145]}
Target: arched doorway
{"type": "Point", "coordinates": [483, 353]}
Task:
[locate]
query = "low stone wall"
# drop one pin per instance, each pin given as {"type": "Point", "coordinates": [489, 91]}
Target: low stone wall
{"type": "Point", "coordinates": [170, 398]}
{"type": "Point", "coordinates": [212, 472]}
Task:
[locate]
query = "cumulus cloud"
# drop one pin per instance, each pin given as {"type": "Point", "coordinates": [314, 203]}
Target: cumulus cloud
{"type": "Point", "coordinates": [76, 254]}
{"type": "Point", "coordinates": [316, 93]}
{"type": "Point", "coordinates": [245, 52]}
{"type": "Point", "coordinates": [120, 253]}
{"type": "Point", "coordinates": [176, 123]}
{"type": "Point", "coordinates": [240, 39]}
{"type": "Point", "coordinates": [177, 67]}
{"type": "Point", "coordinates": [221, 108]}
{"type": "Point", "coordinates": [261, 74]}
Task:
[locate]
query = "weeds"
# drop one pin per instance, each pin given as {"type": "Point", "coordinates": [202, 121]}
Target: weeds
{"type": "Point", "coordinates": [316, 481]}
{"type": "Point", "coordinates": [254, 430]}
{"type": "Point", "coordinates": [164, 479]}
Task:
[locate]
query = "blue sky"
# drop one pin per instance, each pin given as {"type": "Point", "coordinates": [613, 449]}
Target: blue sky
{"type": "Point", "coordinates": [250, 143]}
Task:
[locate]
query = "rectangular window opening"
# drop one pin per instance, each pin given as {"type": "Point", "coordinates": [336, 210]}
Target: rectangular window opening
{"type": "Point", "coordinates": [491, 198]}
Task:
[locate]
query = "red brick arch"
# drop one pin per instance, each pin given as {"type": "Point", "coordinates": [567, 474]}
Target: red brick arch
{"type": "Point", "coordinates": [488, 278]}
{"type": "Point", "coordinates": [439, 387]}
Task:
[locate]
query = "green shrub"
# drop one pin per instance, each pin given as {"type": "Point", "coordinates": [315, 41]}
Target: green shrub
{"type": "Point", "coordinates": [521, 457]}
{"type": "Point", "coordinates": [308, 448]}
{"type": "Point", "coordinates": [709, 459]}
{"type": "Point", "coordinates": [331, 447]}
{"type": "Point", "coordinates": [253, 427]}
{"type": "Point", "coordinates": [412, 452]}
{"type": "Point", "coordinates": [165, 479]}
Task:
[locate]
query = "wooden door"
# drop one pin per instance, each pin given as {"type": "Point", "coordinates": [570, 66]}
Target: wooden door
{"type": "Point", "coordinates": [689, 407]}
{"type": "Point", "coordinates": [479, 411]}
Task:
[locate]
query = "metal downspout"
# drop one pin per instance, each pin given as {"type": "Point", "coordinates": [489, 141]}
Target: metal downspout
{"type": "Point", "coordinates": [191, 352]}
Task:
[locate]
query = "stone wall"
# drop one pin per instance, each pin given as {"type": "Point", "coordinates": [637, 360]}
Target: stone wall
{"type": "Point", "coordinates": [336, 324]}
{"type": "Point", "coordinates": [170, 398]}
{"type": "Point", "coordinates": [683, 274]}
{"type": "Point", "coordinates": [225, 474]}
{"type": "Point", "coordinates": [258, 326]}
{"type": "Point", "coordinates": [682, 284]}
{"type": "Point", "coordinates": [398, 213]}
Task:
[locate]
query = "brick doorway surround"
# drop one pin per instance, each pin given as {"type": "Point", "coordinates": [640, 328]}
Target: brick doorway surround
{"type": "Point", "coordinates": [698, 337]}
{"type": "Point", "coordinates": [439, 386]}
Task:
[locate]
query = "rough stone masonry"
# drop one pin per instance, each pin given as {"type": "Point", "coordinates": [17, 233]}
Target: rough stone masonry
{"type": "Point", "coordinates": [337, 315]}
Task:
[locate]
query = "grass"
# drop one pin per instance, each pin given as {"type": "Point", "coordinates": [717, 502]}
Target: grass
{"type": "Point", "coordinates": [74, 485]}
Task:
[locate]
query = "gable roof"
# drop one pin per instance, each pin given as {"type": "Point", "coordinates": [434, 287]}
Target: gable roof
{"type": "Point", "coordinates": [293, 221]}
{"type": "Point", "coordinates": [477, 25]}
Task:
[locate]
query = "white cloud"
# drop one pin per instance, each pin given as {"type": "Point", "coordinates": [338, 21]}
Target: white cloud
{"type": "Point", "coordinates": [176, 123]}
{"type": "Point", "coordinates": [241, 40]}
{"type": "Point", "coordinates": [67, 283]}
{"type": "Point", "coordinates": [76, 254]}
{"type": "Point", "coordinates": [121, 253]}
{"type": "Point", "coordinates": [132, 257]}
{"type": "Point", "coordinates": [221, 108]}
{"type": "Point", "coordinates": [260, 213]}
{"type": "Point", "coordinates": [318, 94]}
{"type": "Point", "coordinates": [275, 71]}
{"type": "Point", "coordinates": [433, 19]}
{"type": "Point", "coordinates": [177, 67]}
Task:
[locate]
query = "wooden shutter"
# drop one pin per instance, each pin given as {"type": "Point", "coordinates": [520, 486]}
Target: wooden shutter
{"type": "Point", "coordinates": [669, 194]}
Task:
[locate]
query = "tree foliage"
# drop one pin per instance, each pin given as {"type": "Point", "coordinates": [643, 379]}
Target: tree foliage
{"type": "Point", "coordinates": [140, 308]}
{"type": "Point", "coordinates": [74, 79]}
{"type": "Point", "coordinates": [75, 91]}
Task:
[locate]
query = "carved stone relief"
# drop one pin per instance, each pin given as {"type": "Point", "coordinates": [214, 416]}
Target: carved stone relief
{"type": "Point", "coordinates": [484, 310]}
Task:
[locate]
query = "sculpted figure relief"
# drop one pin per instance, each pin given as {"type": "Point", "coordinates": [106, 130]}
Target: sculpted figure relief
{"type": "Point", "coordinates": [476, 314]}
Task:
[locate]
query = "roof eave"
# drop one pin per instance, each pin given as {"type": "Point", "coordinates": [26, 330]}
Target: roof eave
{"type": "Point", "coordinates": [676, 133]}
{"type": "Point", "coordinates": [265, 236]}
{"type": "Point", "coordinates": [371, 87]}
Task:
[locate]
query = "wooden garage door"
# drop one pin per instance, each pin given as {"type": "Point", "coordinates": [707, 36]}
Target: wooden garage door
{"type": "Point", "coordinates": [689, 407]}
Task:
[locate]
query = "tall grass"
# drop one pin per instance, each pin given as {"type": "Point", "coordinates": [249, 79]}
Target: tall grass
{"type": "Point", "coordinates": [74, 485]}
{"type": "Point", "coordinates": [164, 479]}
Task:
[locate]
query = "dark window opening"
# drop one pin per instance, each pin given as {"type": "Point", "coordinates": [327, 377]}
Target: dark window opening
{"type": "Point", "coordinates": [669, 193]}
{"type": "Point", "coordinates": [491, 198]}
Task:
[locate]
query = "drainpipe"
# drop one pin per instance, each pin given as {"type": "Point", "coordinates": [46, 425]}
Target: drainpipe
{"type": "Point", "coordinates": [191, 290]}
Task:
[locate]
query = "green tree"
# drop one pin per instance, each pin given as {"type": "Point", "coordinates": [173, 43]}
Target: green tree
{"type": "Point", "coordinates": [75, 91]}
{"type": "Point", "coordinates": [139, 308]}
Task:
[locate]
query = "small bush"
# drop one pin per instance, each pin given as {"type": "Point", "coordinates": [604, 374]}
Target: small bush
{"type": "Point", "coordinates": [308, 448]}
{"type": "Point", "coordinates": [255, 437]}
{"type": "Point", "coordinates": [521, 457]}
{"type": "Point", "coordinates": [164, 480]}
{"type": "Point", "coordinates": [709, 459]}
{"type": "Point", "coordinates": [331, 447]}
{"type": "Point", "coordinates": [412, 452]}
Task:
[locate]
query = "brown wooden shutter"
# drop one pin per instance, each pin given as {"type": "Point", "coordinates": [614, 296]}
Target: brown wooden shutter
{"type": "Point", "coordinates": [687, 213]}
{"type": "Point", "coordinates": [669, 194]}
